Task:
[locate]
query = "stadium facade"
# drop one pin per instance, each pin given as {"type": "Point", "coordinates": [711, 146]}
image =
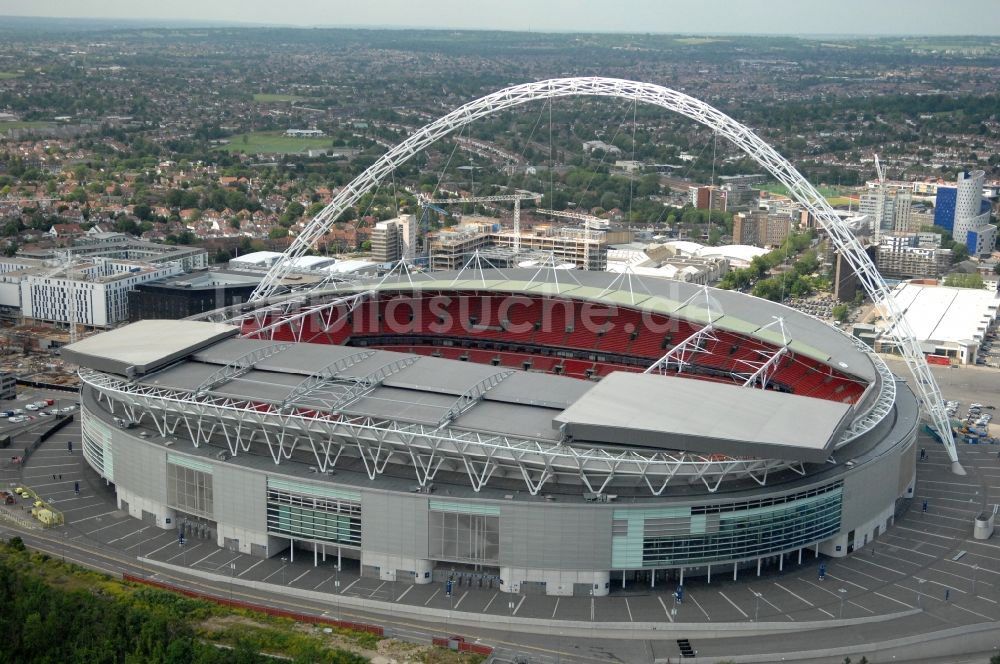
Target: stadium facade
{"type": "Point", "coordinates": [563, 432]}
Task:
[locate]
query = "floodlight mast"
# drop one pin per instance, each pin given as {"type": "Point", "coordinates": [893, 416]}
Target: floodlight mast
{"type": "Point", "coordinates": [741, 136]}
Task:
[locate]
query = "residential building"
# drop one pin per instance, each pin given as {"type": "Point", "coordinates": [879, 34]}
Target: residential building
{"type": "Point", "coordinates": [903, 257]}
{"type": "Point", "coordinates": [761, 228]}
{"type": "Point", "coordinates": [91, 292]}
{"type": "Point", "coordinates": [712, 197]}
{"type": "Point", "coordinates": [395, 239]}
{"type": "Point", "coordinates": [123, 247]}
{"type": "Point", "coordinates": [889, 210]}
{"type": "Point", "coordinates": [963, 212]}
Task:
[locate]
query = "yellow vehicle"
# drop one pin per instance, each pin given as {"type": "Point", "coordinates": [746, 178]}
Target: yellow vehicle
{"type": "Point", "coordinates": [47, 517]}
{"type": "Point", "coordinates": [39, 503]}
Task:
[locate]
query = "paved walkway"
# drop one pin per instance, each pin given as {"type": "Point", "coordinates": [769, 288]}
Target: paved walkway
{"type": "Point", "coordinates": [926, 568]}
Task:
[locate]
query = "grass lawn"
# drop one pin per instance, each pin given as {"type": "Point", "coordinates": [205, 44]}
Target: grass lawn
{"type": "Point", "coordinates": [22, 124]}
{"type": "Point", "coordinates": [266, 97]}
{"type": "Point", "coordinates": [273, 142]}
{"type": "Point", "coordinates": [4, 75]}
{"type": "Point", "coordinates": [698, 40]}
{"type": "Point", "coordinates": [775, 188]}
{"type": "Point", "coordinates": [842, 201]}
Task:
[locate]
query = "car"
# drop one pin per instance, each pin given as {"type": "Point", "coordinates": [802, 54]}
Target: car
{"type": "Point", "coordinates": [975, 405]}
{"type": "Point", "coordinates": [17, 419]}
{"type": "Point", "coordinates": [42, 413]}
{"type": "Point", "coordinates": [31, 406]}
{"type": "Point", "coordinates": [17, 411]}
{"type": "Point", "coordinates": [69, 409]}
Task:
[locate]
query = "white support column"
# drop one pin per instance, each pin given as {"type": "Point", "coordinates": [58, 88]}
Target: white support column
{"type": "Point", "coordinates": [710, 573]}
{"type": "Point", "coordinates": [758, 566]}
{"type": "Point", "coordinates": [734, 570]}
{"type": "Point", "coordinates": [800, 556]}
{"type": "Point", "coordinates": [682, 576]}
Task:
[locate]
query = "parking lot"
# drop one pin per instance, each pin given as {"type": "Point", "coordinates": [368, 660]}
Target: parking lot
{"type": "Point", "coordinates": [925, 573]}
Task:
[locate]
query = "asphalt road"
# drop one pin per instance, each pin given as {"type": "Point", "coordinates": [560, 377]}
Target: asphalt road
{"type": "Point", "coordinates": [912, 576]}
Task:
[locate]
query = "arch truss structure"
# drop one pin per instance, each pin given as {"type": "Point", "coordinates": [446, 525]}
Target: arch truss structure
{"type": "Point", "coordinates": [741, 136]}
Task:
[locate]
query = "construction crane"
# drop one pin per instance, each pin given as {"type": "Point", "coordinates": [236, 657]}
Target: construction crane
{"type": "Point", "coordinates": [590, 222]}
{"type": "Point", "coordinates": [880, 200]}
{"type": "Point", "coordinates": [515, 198]}
{"type": "Point", "coordinates": [425, 226]}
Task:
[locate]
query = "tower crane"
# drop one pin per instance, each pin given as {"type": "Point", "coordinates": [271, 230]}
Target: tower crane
{"type": "Point", "coordinates": [516, 198]}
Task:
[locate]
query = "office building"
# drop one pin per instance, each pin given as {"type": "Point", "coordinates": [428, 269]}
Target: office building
{"type": "Point", "coordinates": [963, 212]}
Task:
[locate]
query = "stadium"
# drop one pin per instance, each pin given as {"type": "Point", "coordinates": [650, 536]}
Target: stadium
{"type": "Point", "coordinates": [561, 432]}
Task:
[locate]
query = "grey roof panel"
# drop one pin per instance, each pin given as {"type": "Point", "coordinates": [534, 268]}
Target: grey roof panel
{"type": "Point", "coordinates": [145, 346]}
{"type": "Point", "coordinates": [539, 389]}
{"type": "Point", "coordinates": [510, 419]}
{"type": "Point", "coordinates": [668, 412]}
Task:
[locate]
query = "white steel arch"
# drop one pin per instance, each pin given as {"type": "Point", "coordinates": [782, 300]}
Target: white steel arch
{"type": "Point", "coordinates": [738, 134]}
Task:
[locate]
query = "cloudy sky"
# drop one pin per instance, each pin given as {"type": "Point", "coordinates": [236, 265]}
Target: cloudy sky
{"type": "Point", "coordinates": [879, 17]}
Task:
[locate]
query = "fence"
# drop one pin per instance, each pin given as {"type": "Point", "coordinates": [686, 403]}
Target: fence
{"type": "Point", "coordinates": [460, 644]}
{"type": "Point", "coordinates": [377, 630]}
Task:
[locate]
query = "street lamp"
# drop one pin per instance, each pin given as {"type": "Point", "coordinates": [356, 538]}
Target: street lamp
{"type": "Point", "coordinates": [920, 583]}
{"type": "Point", "coordinates": [232, 578]}
{"type": "Point", "coordinates": [756, 604]}
{"type": "Point", "coordinates": [843, 593]}
{"type": "Point", "coordinates": [283, 561]}
{"type": "Point", "coordinates": [975, 568]}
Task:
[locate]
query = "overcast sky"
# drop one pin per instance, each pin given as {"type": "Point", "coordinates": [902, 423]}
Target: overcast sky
{"type": "Point", "coordinates": [952, 17]}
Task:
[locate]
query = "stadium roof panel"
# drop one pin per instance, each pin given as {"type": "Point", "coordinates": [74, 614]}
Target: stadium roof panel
{"type": "Point", "coordinates": [146, 345]}
{"type": "Point", "coordinates": [653, 411]}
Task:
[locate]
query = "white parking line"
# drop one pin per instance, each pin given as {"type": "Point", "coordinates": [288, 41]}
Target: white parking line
{"type": "Point", "coordinates": [461, 598]}
{"type": "Point", "coordinates": [349, 585]}
{"type": "Point", "coordinates": [110, 525]}
{"type": "Point", "coordinates": [436, 591]}
{"type": "Point", "coordinates": [693, 599]}
{"type": "Point", "coordinates": [485, 608]}
{"type": "Point", "coordinates": [271, 574]}
{"type": "Point", "coordinates": [299, 577]}
{"type": "Point", "coordinates": [976, 613]}
{"type": "Point", "coordinates": [843, 580]}
{"type": "Point", "coordinates": [771, 604]}
{"type": "Point", "coordinates": [96, 516]}
{"type": "Point", "coordinates": [629, 609]}
{"type": "Point", "coordinates": [153, 553]}
{"type": "Point", "coordinates": [555, 608]}
{"type": "Point", "coordinates": [665, 610]}
{"type": "Point", "coordinates": [893, 599]}
{"type": "Point", "coordinates": [523, 597]}
{"type": "Point", "coordinates": [873, 564]}
{"type": "Point", "coordinates": [251, 567]}
{"type": "Point", "coordinates": [798, 597]}
{"type": "Point", "coordinates": [134, 532]}
{"type": "Point", "coordinates": [201, 560]}
{"type": "Point", "coordinates": [408, 589]}
{"type": "Point", "coordinates": [374, 592]}
{"type": "Point", "coordinates": [734, 604]}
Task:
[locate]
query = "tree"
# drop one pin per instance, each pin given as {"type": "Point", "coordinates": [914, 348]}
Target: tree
{"type": "Point", "coordinates": [959, 253]}
{"type": "Point", "coordinates": [958, 280]}
{"type": "Point", "coordinates": [841, 312]}
{"type": "Point", "coordinates": [278, 232]}
{"type": "Point", "coordinates": [996, 268]}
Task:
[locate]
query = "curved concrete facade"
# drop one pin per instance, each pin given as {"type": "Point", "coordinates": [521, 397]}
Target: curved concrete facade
{"type": "Point", "coordinates": [553, 544]}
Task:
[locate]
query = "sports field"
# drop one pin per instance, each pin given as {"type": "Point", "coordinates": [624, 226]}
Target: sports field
{"type": "Point", "coordinates": [22, 124]}
{"type": "Point", "coordinates": [273, 142]}
{"type": "Point", "coordinates": [267, 97]}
